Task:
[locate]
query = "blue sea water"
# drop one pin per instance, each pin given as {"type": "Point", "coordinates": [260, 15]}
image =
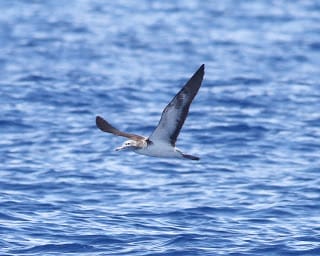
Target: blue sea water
{"type": "Point", "coordinates": [255, 124]}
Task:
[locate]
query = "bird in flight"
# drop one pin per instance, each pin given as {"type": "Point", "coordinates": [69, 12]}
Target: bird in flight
{"type": "Point", "coordinates": [162, 141]}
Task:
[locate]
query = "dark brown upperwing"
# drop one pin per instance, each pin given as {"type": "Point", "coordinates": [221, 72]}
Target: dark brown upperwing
{"type": "Point", "coordinates": [104, 126]}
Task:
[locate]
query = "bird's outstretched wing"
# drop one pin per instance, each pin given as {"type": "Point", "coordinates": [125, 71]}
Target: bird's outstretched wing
{"type": "Point", "coordinates": [104, 126]}
{"type": "Point", "coordinates": [175, 113]}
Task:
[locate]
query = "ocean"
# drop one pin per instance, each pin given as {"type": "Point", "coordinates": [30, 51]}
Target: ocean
{"type": "Point", "coordinates": [255, 124]}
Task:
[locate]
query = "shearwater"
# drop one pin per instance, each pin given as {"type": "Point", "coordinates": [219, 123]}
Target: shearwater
{"type": "Point", "coordinates": [162, 141]}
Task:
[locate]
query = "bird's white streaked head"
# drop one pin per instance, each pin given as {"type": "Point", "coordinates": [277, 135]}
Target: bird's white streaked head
{"type": "Point", "coordinates": [128, 145]}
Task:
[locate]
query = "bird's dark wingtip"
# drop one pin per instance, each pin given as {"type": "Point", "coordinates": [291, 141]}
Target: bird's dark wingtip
{"type": "Point", "coordinates": [200, 70]}
{"type": "Point", "coordinates": [102, 124]}
{"type": "Point", "coordinates": [98, 120]}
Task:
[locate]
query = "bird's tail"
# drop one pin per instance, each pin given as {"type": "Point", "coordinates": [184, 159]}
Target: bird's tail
{"type": "Point", "coordinates": [190, 157]}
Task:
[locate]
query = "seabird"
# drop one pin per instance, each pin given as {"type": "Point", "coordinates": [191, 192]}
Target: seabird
{"type": "Point", "coordinates": [161, 143]}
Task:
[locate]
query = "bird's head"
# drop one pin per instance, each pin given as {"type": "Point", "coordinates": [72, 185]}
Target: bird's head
{"type": "Point", "coordinates": [128, 145]}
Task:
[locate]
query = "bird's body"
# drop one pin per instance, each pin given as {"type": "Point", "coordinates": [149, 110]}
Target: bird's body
{"type": "Point", "coordinates": [159, 149]}
{"type": "Point", "coordinates": [161, 143]}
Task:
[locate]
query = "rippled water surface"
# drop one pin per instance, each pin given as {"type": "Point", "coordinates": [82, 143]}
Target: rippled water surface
{"type": "Point", "coordinates": [255, 124]}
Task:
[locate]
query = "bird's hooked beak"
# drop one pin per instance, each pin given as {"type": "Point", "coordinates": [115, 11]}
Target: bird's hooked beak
{"type": "Point", "coordinates": [119, 148]}
{"type": "Point", "coordinates": [123, 147]}
{"type": "Point", "coordinates": [127, 145]}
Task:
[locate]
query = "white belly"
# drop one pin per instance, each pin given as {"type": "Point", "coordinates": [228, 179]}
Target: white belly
{"type": "Point", "coordinates": [160, 150]}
